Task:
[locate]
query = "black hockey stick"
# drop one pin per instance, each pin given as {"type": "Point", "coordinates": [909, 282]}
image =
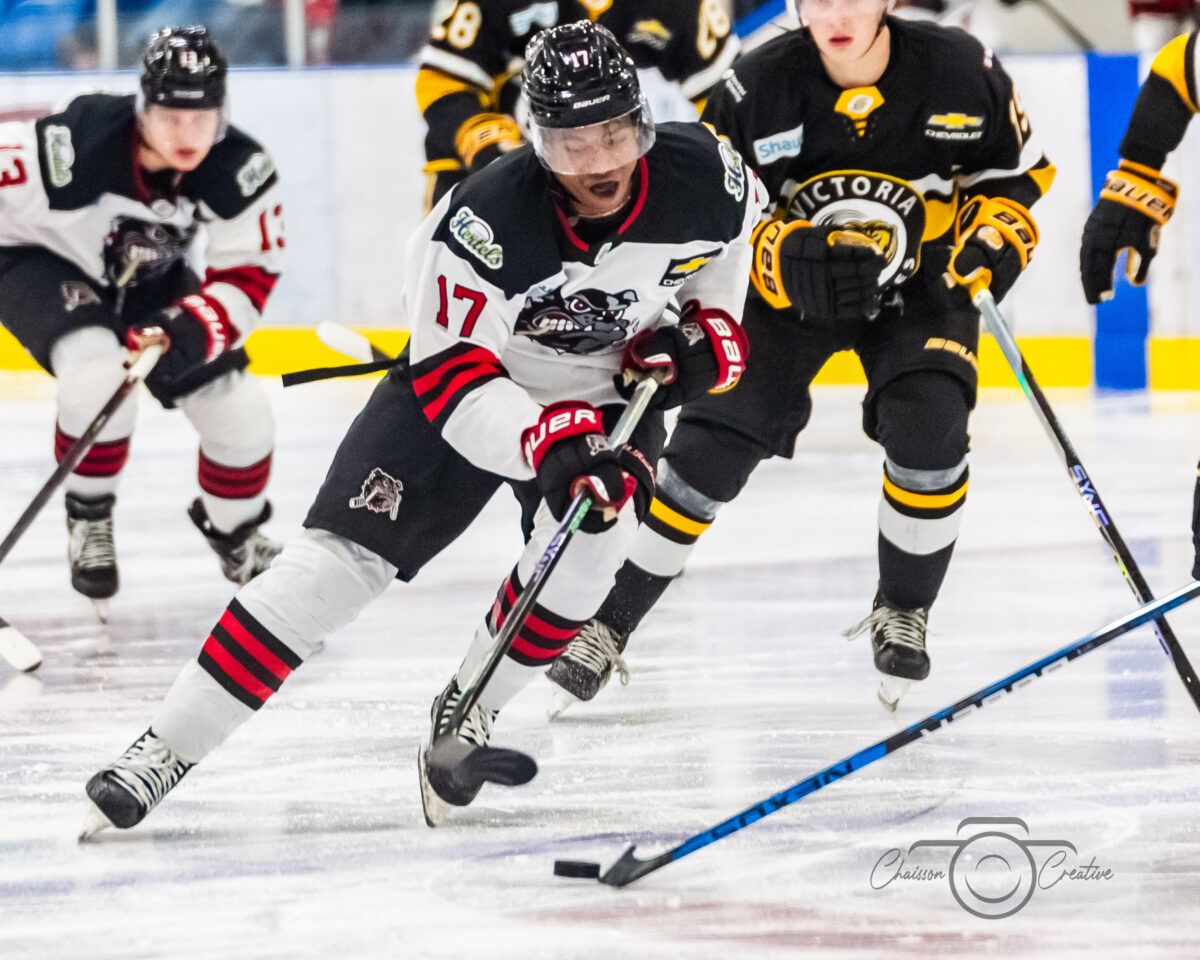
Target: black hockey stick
{"type": "Point", "coordinates": [630, 868]}
{"type": "Point", "coordinates": [448, 751]}
{"type": "Point", "coordinates": [137, 372]}
{"type": "Point", "coordinates": [1084, 486]}
{"type": "Point", "coordinates": [372, 359]}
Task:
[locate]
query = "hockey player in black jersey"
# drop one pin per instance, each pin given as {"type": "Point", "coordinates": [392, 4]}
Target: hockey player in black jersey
{"type": "Point", "coordinates": [1137, 201]}
{"type": "Point", "coordinates": [531, 290]}
{"type": "Point", "coordinates": [99, 208]}
{"type": "Point", "coordinates": [896, 153]}
{"type": "Point", "coordinates": [468, 85]}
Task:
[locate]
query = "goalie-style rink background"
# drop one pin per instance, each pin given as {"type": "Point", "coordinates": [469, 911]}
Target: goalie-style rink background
{"type": "Point", "coordinates": [303, 836]}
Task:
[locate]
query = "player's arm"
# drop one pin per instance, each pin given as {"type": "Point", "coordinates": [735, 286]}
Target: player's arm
{"type": "Point", "coordinates": [23, 202]}
{"type": "Point", "coordinates": [1137, 200]}
{"type": "Point", "coordinates": [691, 42]}
{"type": "Point", "coordinates": [460, 67]}
{"type": "Point", "coordinates": [243, 219]}
{"type": "Point", "coordinates": [995, 233]}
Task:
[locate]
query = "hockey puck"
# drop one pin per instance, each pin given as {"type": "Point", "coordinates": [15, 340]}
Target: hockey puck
{"type": "Point", "coordinates": [580, 869]}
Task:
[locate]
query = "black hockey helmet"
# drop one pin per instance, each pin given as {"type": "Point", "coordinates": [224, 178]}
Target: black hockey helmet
{"type": "Point", "coordinates": [578, 76]}
{"type": "Point", "coordinates": [183, 68]}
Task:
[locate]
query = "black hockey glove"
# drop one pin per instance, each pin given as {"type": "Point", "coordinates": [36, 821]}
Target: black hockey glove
{"type": "Point", "coordinates": [1135, 204]}
{"type": "Point", "coordinates": [194, 334]}
{"type": "Point", "coordinates": [996, 239]}
{"type": "Point", "coordinates": [568, 451]}
{"type": "Point", "coordinates": [826, 272]}
{"type": "Point", "coordinates": [705, 353]}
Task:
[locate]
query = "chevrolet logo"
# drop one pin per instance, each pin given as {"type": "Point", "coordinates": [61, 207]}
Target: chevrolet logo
{"type": "Point", "coordinates": [691, 266]}
{"type": "Point", "coordinates": [955, 121]}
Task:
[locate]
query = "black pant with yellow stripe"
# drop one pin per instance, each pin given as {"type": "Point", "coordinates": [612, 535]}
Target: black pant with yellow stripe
{"type": "Point", "coordinates": [921, 373]}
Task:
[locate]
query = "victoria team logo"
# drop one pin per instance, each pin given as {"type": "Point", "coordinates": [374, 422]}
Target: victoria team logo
{"type": "Point", "coordinates": [886, 209]}
{"type": "Point", "coordinates": [585, 321]}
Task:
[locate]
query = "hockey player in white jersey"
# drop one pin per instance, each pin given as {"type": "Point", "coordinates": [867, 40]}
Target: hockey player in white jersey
{"type": "Point", "coordinates": [102, 208]}
{"type": "Point", "coordinates": [531, 290]}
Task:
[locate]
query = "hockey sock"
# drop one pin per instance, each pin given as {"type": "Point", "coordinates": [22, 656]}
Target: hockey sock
{"type": "Point", "coordinates": [542, 637]}
{"type": "Point", "coordinates": [232, 494]}
{"type": "Point", "coordinates": [317, 585]}
{"type": "Point", "coordinates": [96, 474]}
{"type": "Point", "coordinates": [919, 517]}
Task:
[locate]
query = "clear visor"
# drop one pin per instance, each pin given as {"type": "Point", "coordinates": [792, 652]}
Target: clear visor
{"type": "Point", "coordinates": [179, 116]}
{"type": "Point", "coordinates": [596, 148]}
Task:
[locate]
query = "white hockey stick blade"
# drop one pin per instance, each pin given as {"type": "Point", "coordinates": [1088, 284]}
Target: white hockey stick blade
{"type": "Point", "coordinates": [16, 648]}
{"type": "Point", "coordinates": [344, 340]}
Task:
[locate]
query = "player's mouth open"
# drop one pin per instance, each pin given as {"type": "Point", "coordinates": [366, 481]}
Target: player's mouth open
{"type": "Point", "coordinates": [605, 189]}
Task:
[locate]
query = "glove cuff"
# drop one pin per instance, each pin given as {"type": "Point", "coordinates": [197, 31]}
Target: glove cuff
{"type": "Point", "coordinates": [1142, 188]}
{"type": "Point", "coordinates": [559, 421]}
{"type": "Point", "coordinates": [726, 338]}
{"type": "Point", "coordinates": [765, 271]}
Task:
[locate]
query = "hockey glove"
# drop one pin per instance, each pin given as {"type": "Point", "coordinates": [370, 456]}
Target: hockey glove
{"type": "Point", "coordinates": [826, 272]}
{"type": "Point", "coordinates": [568, 451]}
{"type": "Point", "coordinates": [484, 137]}
{"type": "Point", "coordinates": [996, 239]}
{"type": "Point", "coordinates": [705, 353]}
{"type": "Point", "coordinates": [193, 332]}
{"type": "Point", "coordinates": [1135, 204]}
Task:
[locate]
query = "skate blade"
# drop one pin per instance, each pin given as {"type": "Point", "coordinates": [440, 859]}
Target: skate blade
{"type": "Point", "coordinates": [435, 809]}
{"type": "Point", "coordinates": [560, 702]}
{"type": "Point", "coordinates": [17, 650]}
{"type": "Point", "coordinates": [892, 690]}
{"type": "Point", "coordinates": [101, 606]}
{"type": "Point", "coordinates": [93, 823]}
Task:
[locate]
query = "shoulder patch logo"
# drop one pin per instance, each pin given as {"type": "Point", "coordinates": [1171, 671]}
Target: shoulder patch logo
{"type": "Point", "coordinates": [476, 235]}
{"type": "Point", "coordinates": [681, 268]}
{"type": "Point", "coordinates": [60, 155]}
{"type": "Point", "coordinates": [381, 493]}
{"type": "Point", "coordinates": [779, 145]}
{"type": "Point", "coordinates": [954, 126]}
{"type": "Point", "coordinates": [735, 172]}
{"type": "Point", "coordinates": [254, 173]}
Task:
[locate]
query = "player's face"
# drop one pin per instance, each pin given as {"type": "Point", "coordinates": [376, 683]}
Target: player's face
{"type": "Point", "coordinates": [593, 150]}
{"type": "Point", "coordinates": [596, 194]}
{"type": "Point", "coordinates": [843, 30]}
{"type": "Point", "coordinates": [182, 138]}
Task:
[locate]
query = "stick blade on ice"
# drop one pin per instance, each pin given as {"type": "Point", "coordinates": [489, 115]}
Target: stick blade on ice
{"type": "Point", "coordinates": [17, 649]}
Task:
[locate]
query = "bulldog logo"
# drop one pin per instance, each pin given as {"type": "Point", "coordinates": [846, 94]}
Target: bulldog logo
{"type": "Point", "coordinates": [586, 321]}
{"type": "Point", "coordinates": [381, 493]}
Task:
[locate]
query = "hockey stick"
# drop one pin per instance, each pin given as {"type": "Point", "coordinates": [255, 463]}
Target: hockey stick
{"type": "Point", "coordinates": [1067, 27]}
{"type": "Point", "coordinates": [17, 649]}
{"type": "Point", "coordinates": [138, 371]}
{"type": "Point", "coordinates": [982, 297]}
{"type": "Point", "coordinates": [447, 751]}
{"type": "Point", "coordinates": [630, 868]}
{"type": "Point", "coordinates": [350, 342]}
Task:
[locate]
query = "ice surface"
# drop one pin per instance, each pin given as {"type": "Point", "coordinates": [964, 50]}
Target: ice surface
{"type": "Point", "coordinates": [303, 836]}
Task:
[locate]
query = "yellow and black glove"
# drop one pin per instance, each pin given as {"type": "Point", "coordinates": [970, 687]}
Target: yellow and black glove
{"type": "Point", "coordinates": [826, 272]}
{"type": "Point", "coordinates": [995, 241]}
{"type": "Point", "coordinates": [1135, 204]}
{"type": "Point", "coordinates": [484, 137]}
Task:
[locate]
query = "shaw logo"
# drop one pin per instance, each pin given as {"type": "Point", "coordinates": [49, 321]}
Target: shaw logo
{"type": "Point", "coordinates": [1083, 483]}
{"type": "Point", "coordinates": [786, 144]}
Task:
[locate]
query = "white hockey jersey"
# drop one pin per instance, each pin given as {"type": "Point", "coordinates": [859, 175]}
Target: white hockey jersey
{"type": "Point", "coordinates": [511, 309]}
{"type": "Point", "coordinates": [68, 180]}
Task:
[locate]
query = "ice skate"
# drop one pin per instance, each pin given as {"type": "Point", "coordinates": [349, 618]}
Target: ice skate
{"type": "Point", "coordinates": [122, 794]}
{"type": "Point", "coordinates": [586, 666]}
{"type": "Point", "coordinates": [244, 552]}
{"type": "Point", "coordinates": [452, 768]}
{"type": "Point", "coordinates": [898, 639]}
{"type": "Point", "coordinates": [90, 549]}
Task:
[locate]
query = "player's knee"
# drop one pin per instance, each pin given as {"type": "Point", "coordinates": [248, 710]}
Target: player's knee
{"type": "Point", "coordinates": [922, 422]}
{"type": "Point", "coordinates": [709, 464]}
{"type": "Point", "coordinates": [89, 366]}
{"type": "Point", "coordinates": [234, 419]}
{"type": "Point", "coordinates": [316, 586]}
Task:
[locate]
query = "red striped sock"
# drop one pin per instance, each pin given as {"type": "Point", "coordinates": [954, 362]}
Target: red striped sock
{"type": "Point", "coordinates": [102, 459]}
{"type": "Point", "coordinates": [245, 658]}
{"type": "Point", "coordinates": [234, 483]}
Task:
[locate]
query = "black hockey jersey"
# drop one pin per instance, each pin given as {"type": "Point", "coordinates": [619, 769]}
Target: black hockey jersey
{"type": "Point", "coordinates": [512, 308]}
{"type": "Point", "coordinates": [70, 179]}
{"type": "Point", "coordinates": [896, 159]}
{"type": "Point", "coordinates": [1166, 104]}
{"type": "Point", "coordinates": [478, 45]}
